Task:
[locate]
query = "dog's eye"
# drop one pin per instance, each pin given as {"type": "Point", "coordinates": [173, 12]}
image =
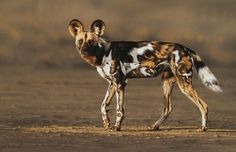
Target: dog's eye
{"type": "Point", "coordinates": [80, 41]}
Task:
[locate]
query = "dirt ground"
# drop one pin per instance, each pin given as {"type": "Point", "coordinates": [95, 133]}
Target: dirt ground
{"type": "Point", "coordinates": [58, 109]}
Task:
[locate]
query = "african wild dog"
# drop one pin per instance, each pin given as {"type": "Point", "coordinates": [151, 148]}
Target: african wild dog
{"type": "Point", "coordinates": [118, 61]}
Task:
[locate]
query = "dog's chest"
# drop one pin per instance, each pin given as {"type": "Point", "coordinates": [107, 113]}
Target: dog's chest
{"type": "Point", "coordinates": [105, 70]}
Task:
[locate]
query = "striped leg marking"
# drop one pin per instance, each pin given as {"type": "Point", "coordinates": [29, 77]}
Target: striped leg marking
{"type": "Point", "coordinates": [106, 102]}
{"type": "Point", "coordinates": [120, 88]}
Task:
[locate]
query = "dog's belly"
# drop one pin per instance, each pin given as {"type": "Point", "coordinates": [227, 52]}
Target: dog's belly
{"type": "Point", "coordinates": [131, 70]}
{"type": "Point", "coordinates": [138, 70]}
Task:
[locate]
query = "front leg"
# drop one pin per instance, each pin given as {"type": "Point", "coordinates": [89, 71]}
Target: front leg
{"type": "Point", "coordinates": [105, 103]}
{"type": "Point", "coordinates": [120, 88]}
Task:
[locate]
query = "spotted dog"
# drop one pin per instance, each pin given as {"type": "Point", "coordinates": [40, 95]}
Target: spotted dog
{"type": "Point", "coordinates": [121, 60]}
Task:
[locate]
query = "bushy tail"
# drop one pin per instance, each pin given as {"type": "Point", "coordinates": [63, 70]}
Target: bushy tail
{"type": "Point", "coordinates": [205, 74]}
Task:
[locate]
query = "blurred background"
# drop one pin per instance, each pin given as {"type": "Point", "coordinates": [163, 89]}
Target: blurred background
{"type": "Point", "coordinates": [34, 32]}
{"type": "Point", "coordinates": [44, 82]}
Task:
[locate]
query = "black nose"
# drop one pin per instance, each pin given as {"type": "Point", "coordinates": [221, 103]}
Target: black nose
{"type": "Point", "coordinates": [90, 43]}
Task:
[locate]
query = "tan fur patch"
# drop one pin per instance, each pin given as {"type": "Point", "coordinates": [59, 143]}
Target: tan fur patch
{"type": "Point", "coordinates": [154, 44]}
{"type": "Point", "coordinates": [187, 62]}
{"type": "Point", "coordinates": [197, 58]}
{"type": "Point", "coordinates": [90, 59]}
{"type": "Point", "coordinates": [164, 51]}
{"type": "Point", "coordinates": [150, 64]}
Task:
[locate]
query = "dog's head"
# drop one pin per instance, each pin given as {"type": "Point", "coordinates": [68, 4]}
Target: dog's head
{"type": "Point", "coordinates": [86, 39]}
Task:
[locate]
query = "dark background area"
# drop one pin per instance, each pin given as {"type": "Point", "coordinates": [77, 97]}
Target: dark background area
{"type": "Point", "coordinates": [34, 32]}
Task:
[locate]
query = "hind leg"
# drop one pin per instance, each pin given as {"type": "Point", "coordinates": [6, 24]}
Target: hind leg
{"type": "Point", "coordinates": [167, 90]}
{"type": "Point", "coordinates": [168, 83]}
{"type": "Point", "coordinates": [187, 88]}
{"type": "Point", "coordinates": [182, 68]}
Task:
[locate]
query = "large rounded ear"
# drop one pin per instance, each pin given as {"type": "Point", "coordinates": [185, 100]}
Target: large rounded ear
{"type": "Point", "coordinates": [75, 27]}
{"type": "Point", "coordinates": [98, 27]}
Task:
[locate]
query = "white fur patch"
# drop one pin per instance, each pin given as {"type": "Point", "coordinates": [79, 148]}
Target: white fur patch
{"type": "Point", "coordinates": [144, 72]}
{"type": "Point", "coordinates": [187, 75]}
{"type": "Point", "coordinates": [106, 68]}
{"type": "Point", "coordinates": [123, 68]}
{"type": "Point", "coordinates": [100, 72]}
{"type": "Point", "coordinates": [177, 57]}
{"type": "Point", "coordinates": [208, 79]}
{"type": "Point", "coordinates": [129, 67]}
{"type": "Point", "coordinates": [140, 51]}
{"type": "Point", "coordinates": [107, 59]}
{"type": "Point", "coordinates": [107, 64]}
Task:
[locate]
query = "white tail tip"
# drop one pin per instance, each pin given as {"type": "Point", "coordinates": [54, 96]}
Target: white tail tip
{"type": "Point", "coordinates": [208, 79]}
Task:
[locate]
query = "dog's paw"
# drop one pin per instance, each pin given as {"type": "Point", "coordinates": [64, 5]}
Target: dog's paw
{"type": "Point", "coordinates": [115, 128]}
{"type": "Point", "coordinates": [106, 126]}
{"type": "Point", "coordinates": [202, 129]}
{"type": "Point", "coordinates": [153, 128]}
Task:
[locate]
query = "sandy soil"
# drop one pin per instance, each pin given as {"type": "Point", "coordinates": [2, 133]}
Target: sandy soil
{"type": "Point", "coordinates": [57, 109]}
